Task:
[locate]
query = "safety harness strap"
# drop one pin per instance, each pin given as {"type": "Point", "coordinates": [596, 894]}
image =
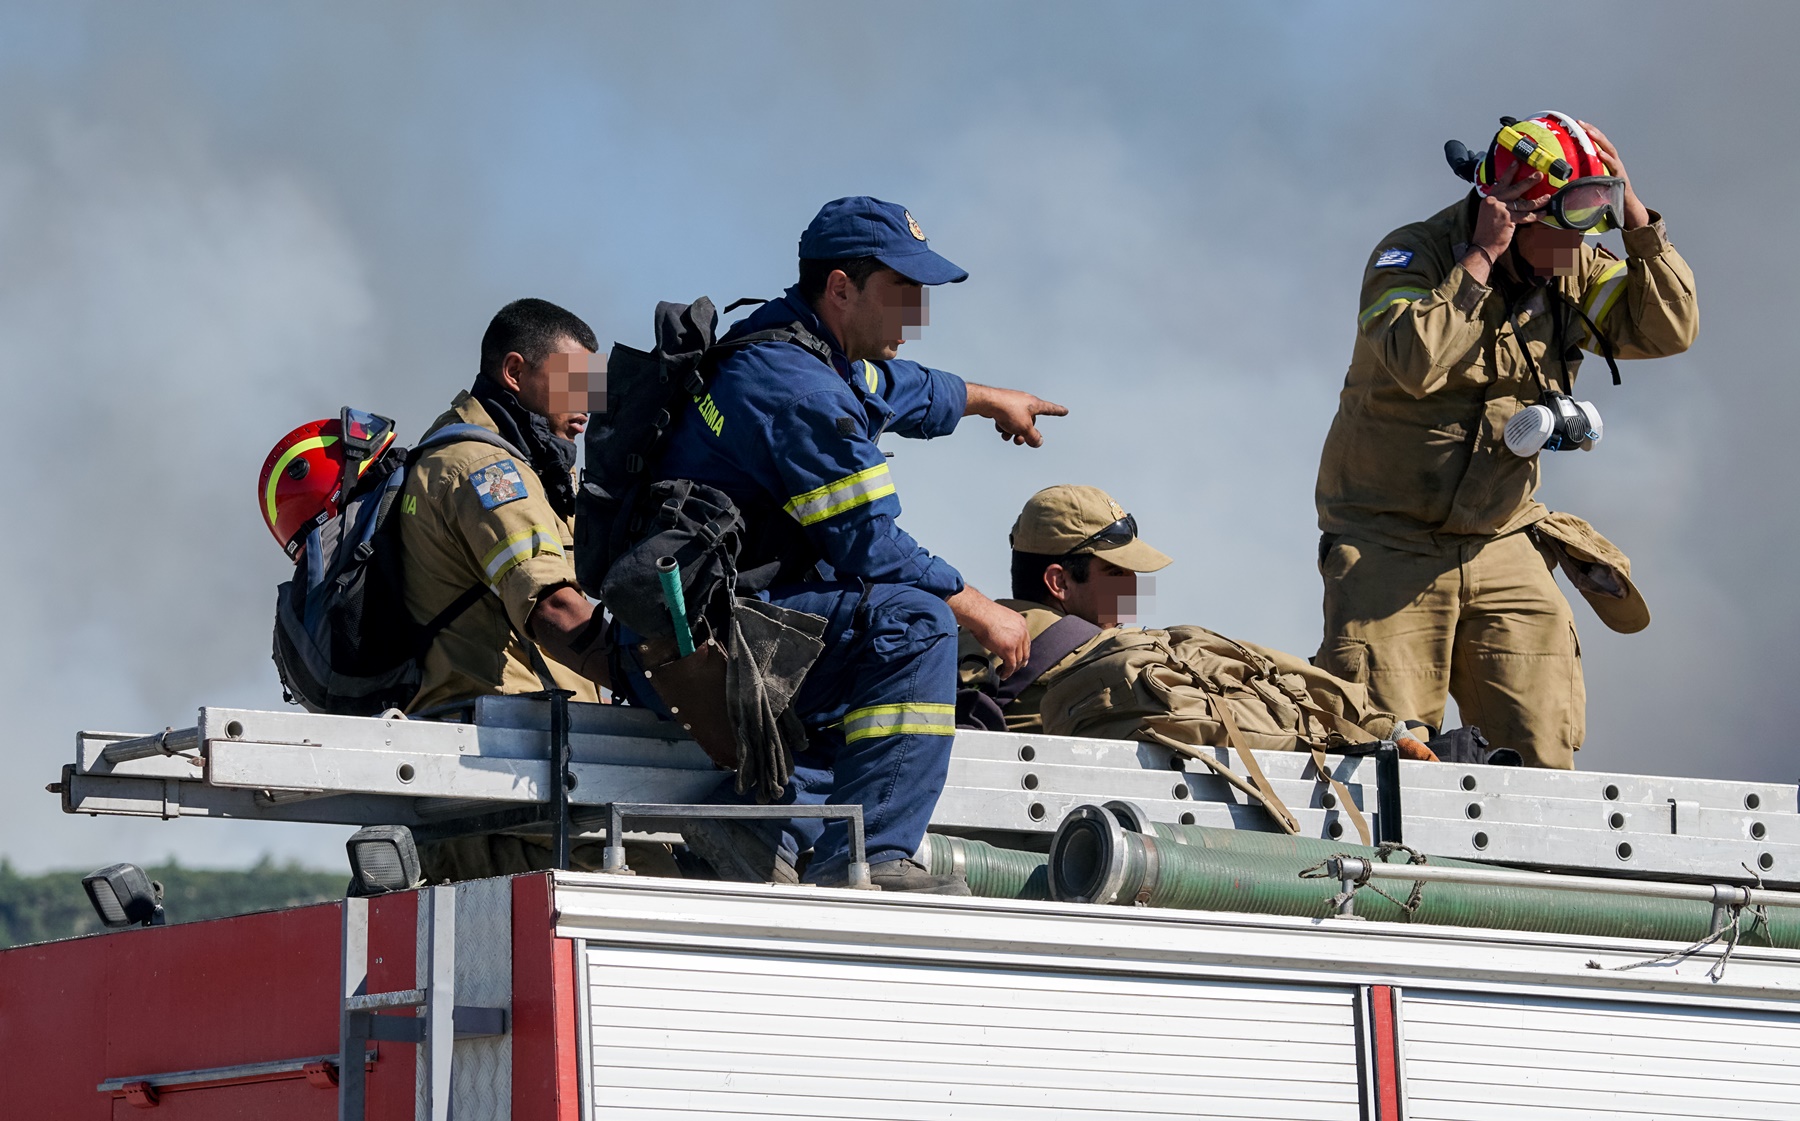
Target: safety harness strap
{"type": "Point", "coordinates": [1271, 801]}
{"type": "Point", "coordinates": [1264, 796]}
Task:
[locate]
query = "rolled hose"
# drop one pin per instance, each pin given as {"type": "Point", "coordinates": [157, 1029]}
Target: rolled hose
{"type": "Point", "coordinates": [992, 872]}
{"type": "Point", "coordinates": [1112, 855]}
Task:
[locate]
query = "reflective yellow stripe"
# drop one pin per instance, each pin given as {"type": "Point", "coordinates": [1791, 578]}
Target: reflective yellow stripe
{"type": "Point", "coordinates": [1605, 293]}
{"type": "Point", "coordinates": [847, 493]}
{"type": "Point", "coordinates": [899, 720]}
{"type": "Point", "coordinates": [1388, 299]}
{"type": "Point", "coordinates": [311, 443]}
{"type": "Point", "coordinates": [520, 547]}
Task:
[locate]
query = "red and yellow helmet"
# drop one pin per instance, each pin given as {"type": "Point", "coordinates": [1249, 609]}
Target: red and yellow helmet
{"type": "Point", "coordinates": [1580, 192]}
{"type": "Point", "coordinates": [301, 486]}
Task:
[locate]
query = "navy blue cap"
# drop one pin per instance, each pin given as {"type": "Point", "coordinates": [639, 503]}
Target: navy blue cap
{"type": "Point", "coordinates": [868, 227]}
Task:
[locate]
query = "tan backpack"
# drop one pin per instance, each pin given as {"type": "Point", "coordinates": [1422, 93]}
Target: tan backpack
{"type": "Point", "coordinates": [1189, 688]}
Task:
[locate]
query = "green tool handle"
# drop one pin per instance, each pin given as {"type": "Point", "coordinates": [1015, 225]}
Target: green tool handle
{"type": "Point", "coordinates": [670, 574]}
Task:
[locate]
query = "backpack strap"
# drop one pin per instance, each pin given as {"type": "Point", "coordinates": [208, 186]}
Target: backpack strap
{"type": "Point", "coordinates": [1347, 730]}
{"type": "Point", "coordinates": [1257, 787]}
{"type": "Point", "coordinates": [429, 632]}
{"type": "Point", "coordinates": [1322, 765]}
{"type": "Point", "coordinates": [457, 433]}
{"type": "Point", "coordinates": [787, 333]}
{"type": "Point", "coordinates": [1265, 789]}
{"type": "Point", "coordinates": [1060, 639]}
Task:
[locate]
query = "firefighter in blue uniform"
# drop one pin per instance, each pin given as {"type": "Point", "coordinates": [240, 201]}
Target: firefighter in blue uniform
{"type": "Point", "coordinates": [792, 440]}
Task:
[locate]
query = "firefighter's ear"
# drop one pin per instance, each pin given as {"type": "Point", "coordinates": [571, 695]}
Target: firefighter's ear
{"type": "Point", "coordinates": [512, 370]}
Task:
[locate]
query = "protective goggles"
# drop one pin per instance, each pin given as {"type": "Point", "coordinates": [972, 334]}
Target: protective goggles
{"type": "Point", "coordinates": [1121, 532]}
{"type": "Point", "coordinates": [1592, 205]}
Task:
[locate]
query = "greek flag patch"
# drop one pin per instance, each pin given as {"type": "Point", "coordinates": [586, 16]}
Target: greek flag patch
{"type": "Point", "coordinates": [1394, 258]}
{"type": "Point", "coordinates": [498, 483]}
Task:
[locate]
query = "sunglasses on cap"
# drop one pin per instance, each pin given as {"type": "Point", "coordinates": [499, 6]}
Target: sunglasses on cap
{"type": "Point", "coordinates": [1592, 205]}
{"type": "Point", "coordinates": [1121, 532]}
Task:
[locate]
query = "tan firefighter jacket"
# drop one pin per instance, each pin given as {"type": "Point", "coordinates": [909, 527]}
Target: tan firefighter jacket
{"type": "Point", "coordinates": [472, 514]}
{"type": "Point", "coordinates": [1414, 459]}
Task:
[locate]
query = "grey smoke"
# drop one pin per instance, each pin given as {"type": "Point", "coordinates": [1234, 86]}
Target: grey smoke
{"type": "Point", "coordinates": [221, 222]}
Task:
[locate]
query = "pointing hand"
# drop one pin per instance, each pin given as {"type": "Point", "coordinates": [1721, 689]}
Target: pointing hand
{"type": "Point", "coordinates": [1013, 412]}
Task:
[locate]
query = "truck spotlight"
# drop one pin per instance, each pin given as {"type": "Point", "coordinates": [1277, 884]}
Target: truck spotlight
{"type": "Point", "coordinates": [123, 896]}
{"type": "Point", "coordinates": [383, 858]}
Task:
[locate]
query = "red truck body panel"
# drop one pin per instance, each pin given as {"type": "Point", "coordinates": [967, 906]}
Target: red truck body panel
{"type": "Point", "coordinates": [250, 989]}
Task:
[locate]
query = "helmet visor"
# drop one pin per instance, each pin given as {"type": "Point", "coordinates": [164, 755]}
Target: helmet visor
{"type": "Point", "coordinates": [1592, 205]}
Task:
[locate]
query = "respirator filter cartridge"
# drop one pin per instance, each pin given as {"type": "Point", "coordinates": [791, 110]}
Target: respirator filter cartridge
{"type": "Point", "coordinates": [1558, 423]}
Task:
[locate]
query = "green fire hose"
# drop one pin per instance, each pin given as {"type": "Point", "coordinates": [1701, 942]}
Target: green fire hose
{"type": "Point", "coordinates": [992, 872]}
{"type": "Point", "coordinates": [1110, 855]}
{"type": "Point", "coordinates": [669, 573]}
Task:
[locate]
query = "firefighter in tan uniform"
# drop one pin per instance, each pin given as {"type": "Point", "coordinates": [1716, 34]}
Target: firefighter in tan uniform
{"type": "Point", "coordinates": [1076, 559]}
{"type": "Point", "coordinates": [487, 536]}
{"type": "Point", "coordinates": [1435, 554]}
{"type": "Point", "coordinates": [472, 514]}
{"type": "Point", "coordinates": [1076, 567]}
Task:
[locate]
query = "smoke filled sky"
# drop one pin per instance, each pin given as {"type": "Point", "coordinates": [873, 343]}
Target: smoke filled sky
{"type": "Point", "coordinates": [220, 221]}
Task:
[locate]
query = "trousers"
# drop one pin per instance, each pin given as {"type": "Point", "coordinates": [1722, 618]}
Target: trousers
{"type": "Point", "coordinates": [880, 715]}
{"type": "Point", "coordinates": [1482, 622]}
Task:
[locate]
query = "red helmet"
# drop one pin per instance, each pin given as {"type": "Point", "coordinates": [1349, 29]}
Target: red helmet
{"type": "Point", "coordinates": [1581, 192]}
{"type": "Point", "coordinates": [302, 480]}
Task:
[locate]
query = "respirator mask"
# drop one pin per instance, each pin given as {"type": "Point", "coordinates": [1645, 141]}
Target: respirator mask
{"type": "Point", "coordinates": [1556, 423]}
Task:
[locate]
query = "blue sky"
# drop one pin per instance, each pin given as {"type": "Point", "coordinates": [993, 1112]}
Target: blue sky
{"type": "Point", "coordinates": [220, 221]}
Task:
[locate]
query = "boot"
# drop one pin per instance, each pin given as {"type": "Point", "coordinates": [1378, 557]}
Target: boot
{"type": "Point", "coordinates": [905, 875]}
{"type": "Point", "coordinates": [740, 852]}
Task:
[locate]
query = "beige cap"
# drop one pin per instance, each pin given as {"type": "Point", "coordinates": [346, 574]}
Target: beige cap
{"type": "Point", "coordinates": [1057, 520]}
{"type": "Point", "coordinates": [1599, 571]}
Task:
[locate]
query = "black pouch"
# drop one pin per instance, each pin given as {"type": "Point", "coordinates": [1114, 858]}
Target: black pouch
{"type": "Point", "coordinates": [738, 705]}
{"type": "Point", "coordinates": [701, 529]}
{"type": "Point", "coordinates": [1468, 745]}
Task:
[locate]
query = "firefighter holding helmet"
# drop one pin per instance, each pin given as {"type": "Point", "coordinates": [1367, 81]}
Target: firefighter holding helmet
{"type": "Point", "coordinates": [1436, 555]}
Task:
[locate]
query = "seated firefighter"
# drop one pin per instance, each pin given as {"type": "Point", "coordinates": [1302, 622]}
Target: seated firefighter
{"type": "Point", "coordinates": [486, 535]}
{"type": "Point", "coordinates": [1075, 563]}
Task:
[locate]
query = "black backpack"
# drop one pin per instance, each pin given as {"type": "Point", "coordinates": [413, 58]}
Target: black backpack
{"type": "Point", "coordinates": [344, 641]}
{"type": "Point", "coordinates": [646, 396]}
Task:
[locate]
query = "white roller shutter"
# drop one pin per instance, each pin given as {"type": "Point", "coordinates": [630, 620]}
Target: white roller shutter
{"type": "Point", "coordinates": [1472, 1058]}
{"type": "Point", "coordinates": [708, 1035]}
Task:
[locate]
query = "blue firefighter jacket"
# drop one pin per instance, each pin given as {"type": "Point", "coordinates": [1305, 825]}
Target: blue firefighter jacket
{"type": "Point", "coordinates": [785, 436]}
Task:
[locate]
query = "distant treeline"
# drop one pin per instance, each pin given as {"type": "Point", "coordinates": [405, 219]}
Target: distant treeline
{"type": "Point", "coordinates": [52, 905]}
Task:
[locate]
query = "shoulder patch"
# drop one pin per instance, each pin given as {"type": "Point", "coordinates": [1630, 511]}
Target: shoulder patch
{"type": "Point", "coordinates": [498, 483]}
{"type": "Point", "coordinates": [871, 377]}
{"type": "Point", "coordinates": [1394, 258]}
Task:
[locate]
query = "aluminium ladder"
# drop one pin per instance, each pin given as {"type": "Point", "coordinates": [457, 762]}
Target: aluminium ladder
{"type": "Point", "coordinates": [494, 765]}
